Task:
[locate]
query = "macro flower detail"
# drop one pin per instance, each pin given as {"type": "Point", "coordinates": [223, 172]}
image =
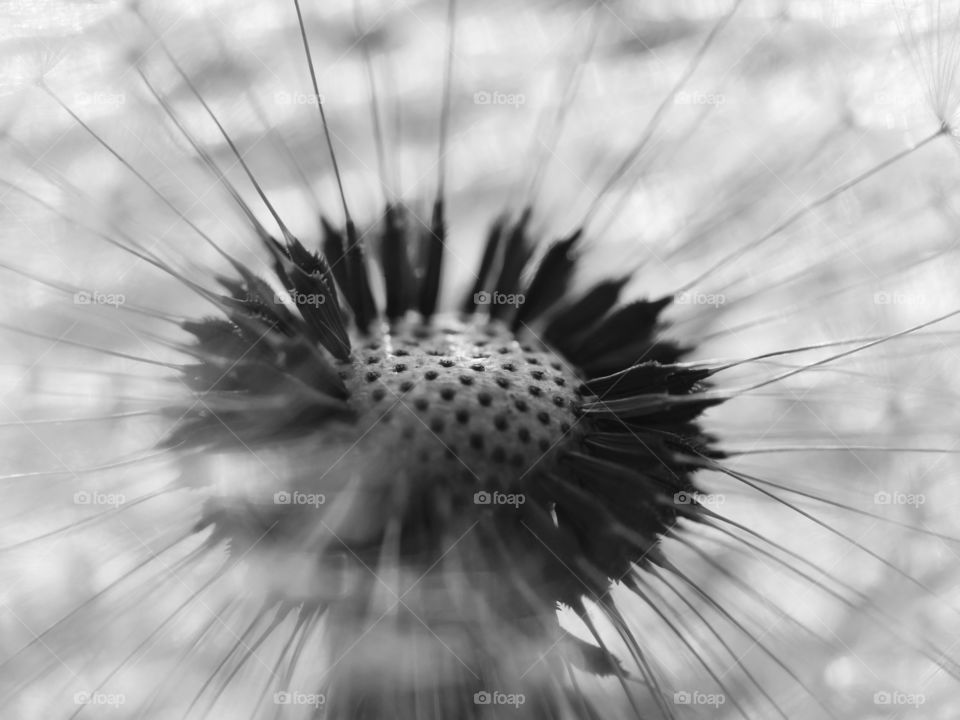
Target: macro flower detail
{"type": "Point", "coordinates": [537, 448]}
{"type": "Point", "coordinates": [443, 360]}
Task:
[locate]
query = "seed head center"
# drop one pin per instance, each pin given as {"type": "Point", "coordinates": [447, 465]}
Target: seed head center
{"type": "Point", "coordinates": [459, 403]}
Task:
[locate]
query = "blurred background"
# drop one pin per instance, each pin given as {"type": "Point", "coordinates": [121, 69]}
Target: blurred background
{"type": "Point", "coordinates": [731, 127]}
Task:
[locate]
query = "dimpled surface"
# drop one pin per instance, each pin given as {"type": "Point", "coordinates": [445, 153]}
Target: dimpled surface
{"type": "Point", "coordinates": [456, 402]}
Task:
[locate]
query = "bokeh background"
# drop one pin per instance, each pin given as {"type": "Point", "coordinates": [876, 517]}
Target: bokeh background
{"type": "Point", "coordinates": [791, 100]}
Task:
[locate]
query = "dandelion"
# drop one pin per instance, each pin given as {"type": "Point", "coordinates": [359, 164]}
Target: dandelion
{"type": "Point", "coordinates": [650, 437]}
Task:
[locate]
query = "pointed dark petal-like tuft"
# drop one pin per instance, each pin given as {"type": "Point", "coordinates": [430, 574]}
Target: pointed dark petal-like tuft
{"type": "Point", "coordinates": [516, 253]}
{"type": "Point", "coordinates": [310, 281]}
{"type": "Point", "coordinates": [434, 241]}
{"type": "Point", "coordinates": [358, 279]}
{"type": "Point", "coordinates": [397, 271]}
{"type": "Point", "coordinates": [495, 234]}
{"type": "Point", "coordinates": [571, 323]}
{"type": "Point", "coordinates": [551, 282]}
{"type": "Point", "coordinates": [334, 250]}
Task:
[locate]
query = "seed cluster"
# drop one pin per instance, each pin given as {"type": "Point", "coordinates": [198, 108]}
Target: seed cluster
{"type": "Point", "coordinates": [462, 403]}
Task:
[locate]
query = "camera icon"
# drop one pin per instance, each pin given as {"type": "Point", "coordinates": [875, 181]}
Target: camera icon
{"type": "Point", "coordinates": [682, 98]}
{"type": "Point", "coordinates": [81, 698]}
{"type": "Point", "coordinates": [282, 98]}
{"type": "Point", "coordinates": [282, 498]}
{"type": "Point", "coordinates": [82, 298]}
{"type": "Point", "coordinates": [882, 698]}
{"type": "Point", "coordinates": [481, 298]}
{"type": "Point", "coordinates": [81, 497]}
{"type": "Point", "coordinates": [681, 697]}
{"type": "Point", "coordinates": [482, 497]}
{"type": "Point", "coordinates": [881, 298]}
{"type": "Point", "coordinates": [481, 698]}
{"type": "Point", "coordinates": [481, 97]}
{"type": "Point", "coordinates": [684, 498]}
{"type": "Point", "coordinates": [883, 498]}
{"type": "Point", "coordinates": [281, 698]}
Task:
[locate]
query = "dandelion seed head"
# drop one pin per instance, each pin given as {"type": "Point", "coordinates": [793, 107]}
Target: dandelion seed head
{"type": "Point", "coordinates": [377, 481]}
